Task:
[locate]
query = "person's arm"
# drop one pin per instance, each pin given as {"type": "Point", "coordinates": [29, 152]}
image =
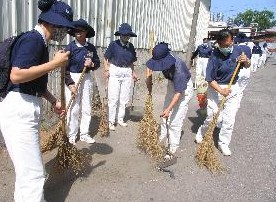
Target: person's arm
{"type": "Point", "coordinates": [166, 113]}
{"type": "Point", "coordinates": [223, 91]}
{"type": "Point", "coordinates": [19, 75]}
{"type": "Point", "coordinates": [243, 59]}
{"type": "Point", "coordinates": [195, 54]}
{"type": "Point", "coordinates": [106, 68]}
{"type": "Point", "coordinates": [134, 75]}
{"type": "Point", "coordinates": [56, 104]}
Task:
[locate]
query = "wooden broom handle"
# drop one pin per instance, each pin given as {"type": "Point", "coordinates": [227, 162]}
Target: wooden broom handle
{"type": "Point", "coordinates": [77, 87]}
{"type": "Point", "coordinates": [230, 83]}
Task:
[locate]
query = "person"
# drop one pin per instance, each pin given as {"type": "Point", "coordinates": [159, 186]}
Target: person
{"type": "Point", "coordinates": [244, 73]}
{"type": "Point", "coordinates": [219, 71]}
{"type": "Point", "coordinates": [21, 109]}
{"type": "Point", "coordinates": [256, 56]}
{"type": "Point", "coordinates": [119, 61]}
{"type": "Point", "coordinates": [265, 53]}
{"type": "Point", "coordinates": [178, 95]}
{"type": "Point", "coordinates": [83, 54]}
{"type": "Point", "coordinates": [203, 52]}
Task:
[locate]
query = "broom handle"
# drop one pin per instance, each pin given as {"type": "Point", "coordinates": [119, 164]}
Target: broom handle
{"type": "Point", "coordinates": [132, 93]}
{"type": "Point", "coordinates": [230, 84]}
{"type": "Point", "coordinates": [77, 87]}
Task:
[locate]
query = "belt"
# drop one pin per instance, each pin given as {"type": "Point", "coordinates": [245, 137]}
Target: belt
{"type": "Point", "coordinates": [203, 57]}
{"type": "Point", "coordinates": [33, 93]}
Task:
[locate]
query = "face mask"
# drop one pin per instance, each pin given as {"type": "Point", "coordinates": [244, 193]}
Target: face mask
{"type": "Point", "coordinates": [225, 51]}
{"type": "Point", "coordinates": [59, 34]}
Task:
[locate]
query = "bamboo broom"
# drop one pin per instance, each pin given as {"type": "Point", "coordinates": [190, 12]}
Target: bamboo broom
{"type": "Point", "coordinates": [149, 130]}
{"type": "Point", "coordinates": [68, 156]}
{"type": "Point", "coordinates": [104, 123]}
{"type": "Point", "coordinates": [206, 152]}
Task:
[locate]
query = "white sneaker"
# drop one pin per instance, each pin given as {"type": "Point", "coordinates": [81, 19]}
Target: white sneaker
{"type": "Point", "coordinates": [72, 140]}
{"type": "Point", "coordinates": [225, 150]}
{"type": "Point", "coordinates": [87, 138]}
{"type": "Point", "coordinates": [198, 138]}
{"type": "Point", "coordinates": [111, 126]}
{"type": "Point", "coordinates": [122, 123]}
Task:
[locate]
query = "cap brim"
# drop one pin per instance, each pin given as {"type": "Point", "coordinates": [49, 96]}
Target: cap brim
{"type": "Point", "coordinates": [90, 32]}
{"type": "Point", "coordinates": [55, 19]}
{"type": "Point", "coordinates": [131, 34]}
{"type": "Point", "coordinates": [162, 64]}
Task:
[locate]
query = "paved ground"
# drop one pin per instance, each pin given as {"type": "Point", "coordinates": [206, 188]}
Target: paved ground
{"type": "Point", "coordinates": [120, 172]}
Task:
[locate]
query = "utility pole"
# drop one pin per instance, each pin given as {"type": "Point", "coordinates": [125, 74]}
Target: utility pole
{"type": "Point", "coordinates": [193, 32]}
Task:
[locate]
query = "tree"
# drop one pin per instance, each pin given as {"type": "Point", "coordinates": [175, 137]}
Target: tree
{"type": "Point", "coordinates": [265, 19]}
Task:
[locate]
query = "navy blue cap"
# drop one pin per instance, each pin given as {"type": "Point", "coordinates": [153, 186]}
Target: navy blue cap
{"type": "Point", "coordinates": [125, 29]}
{"type": "Point", "coordinates": [81, 23]}
{"type": "Point", "coordinates": [56, 13]}
{"type": "Point", "coordinates": [161, 58]}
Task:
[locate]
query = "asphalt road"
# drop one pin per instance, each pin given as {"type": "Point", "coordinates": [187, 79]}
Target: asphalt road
{"type": "Point", "coordinates": [121, 173]}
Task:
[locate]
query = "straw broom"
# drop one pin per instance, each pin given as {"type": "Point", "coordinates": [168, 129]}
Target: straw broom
{"type": "Point", "coordinates": [68, 155]}
{"type": "Point", "coordinates": [149, 130]}
{"type": "Point", "coordinates": [206, 152]}
{"type": "Point", "coordinates": [104, 123]}
{"type": "Point", "coordinates": [51, 142]}
{"type": "Point", "coordinates": [148, 133]}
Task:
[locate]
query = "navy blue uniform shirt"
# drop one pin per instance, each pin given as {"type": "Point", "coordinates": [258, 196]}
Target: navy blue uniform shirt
{"type": "Point", "coordinates": [30, 50]}
{"type": "Point", "coordinates": [203, 50]}
{"type": "Point", "coordinates": [181, 75]}
{"type": "Point", "coordinates": [220, 68]}
{"type": "Point", "coordinates": [257, 50]}
{"type": "Point", "coordinates": [120, 56]}
{"type": "Point", "coordinates": [78, 55]}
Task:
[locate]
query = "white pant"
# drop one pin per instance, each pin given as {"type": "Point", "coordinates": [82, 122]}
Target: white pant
{"type": "Point", "coordinates": [201, 66]}
{"type": "Point", "coordinates": [118, 92]}
{"type": "Point", "coordinates": [243, 80]}
{"type": "Point", "coordinates": [263, 59]}
{"type": "Point", "coordinates": [177, 114]}
{"type": "Point", "coordinates": [20, 123]}
{"type": "Point", "coordinates": [227, 115]}
{"type": "Point", "coordinates": [79, 115]}
{"type": "Point", "coordinates": [255, 62]}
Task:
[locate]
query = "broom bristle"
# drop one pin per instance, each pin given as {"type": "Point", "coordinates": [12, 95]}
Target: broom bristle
{"type": "Point", "coordinates": [69, 157]}
{"type": "Point", "coordinates": [206, 152]}
{"type": "Point", "coordinates": [148, 135]}
{"type": "Point", "coordinates": [104, 127]}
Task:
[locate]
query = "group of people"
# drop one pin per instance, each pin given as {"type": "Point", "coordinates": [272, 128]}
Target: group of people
{"type": "Point", "coordinates": [28, 85]}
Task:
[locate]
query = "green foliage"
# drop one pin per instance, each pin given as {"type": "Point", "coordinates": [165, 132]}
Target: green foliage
{"type": "Point", "coordinates": [265, 19]}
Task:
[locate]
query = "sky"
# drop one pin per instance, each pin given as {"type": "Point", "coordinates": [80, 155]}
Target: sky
{"type": "Point", "coordinates": [230, 8]}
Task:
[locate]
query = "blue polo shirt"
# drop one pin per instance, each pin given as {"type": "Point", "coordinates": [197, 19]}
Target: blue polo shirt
{"type": "Point", "coordinates": [181, 76]}
{"type": "Point", "coordinates": [78, 55]}
{"type": "Point", "coordinates": [30, 50]}
{"type": "Point", "coordinates": [203, 50]}
{"type": "Point", "coordinates": [257, 50]}
{"type": "Point", "coordinates": [220, 68]}
{"type": "Point", "coordinates": [247, 51]}
{"type": "Point", "coordinates": [119, 55]}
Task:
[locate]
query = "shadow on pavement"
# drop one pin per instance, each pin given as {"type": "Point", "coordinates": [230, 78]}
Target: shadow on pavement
{"type": "Point", "coordinates": [134, 113]}
{"type": "Point", "coordinates": [197, 121]}
{"type": "Point", "coordinates": [58, 185]}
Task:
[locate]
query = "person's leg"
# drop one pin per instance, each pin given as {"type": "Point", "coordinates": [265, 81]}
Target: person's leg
{"type": "Point", "coordinates": [124, 95]}
{"type": "Point", "coordinates": [228, 115]}
{"type": "Point", "coordinates": [177, 117]}
{"type": "Point", "coordinates": [212, 108]}
{"type": "Point", "coordinates": [86, 107]}
{"type": "Point", "coordinates": [74, 111]}
{"type": "Point", "coordinates": [23, 145]}
{"type": "Point", "coordinates": [114, 84]}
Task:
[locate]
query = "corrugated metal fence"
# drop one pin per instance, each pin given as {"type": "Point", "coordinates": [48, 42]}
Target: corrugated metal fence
{"type": "Point", "coordinates": [169, 19]}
